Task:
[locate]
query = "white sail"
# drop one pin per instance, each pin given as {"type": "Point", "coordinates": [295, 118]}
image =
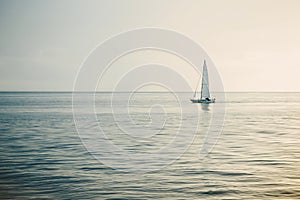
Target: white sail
{"type": "Point", "coordinates": [205, 83]}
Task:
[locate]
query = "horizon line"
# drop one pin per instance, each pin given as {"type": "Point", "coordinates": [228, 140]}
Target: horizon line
{"type": "Point", "coordinates": [68, 91]}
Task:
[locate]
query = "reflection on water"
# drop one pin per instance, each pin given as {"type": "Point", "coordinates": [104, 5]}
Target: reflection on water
{"type": "Point", "coordinates": [205, 106]}
{"type": "Point", "coordinates": [257, 156]}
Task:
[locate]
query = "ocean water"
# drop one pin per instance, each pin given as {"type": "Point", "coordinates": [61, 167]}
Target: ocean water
{"type": "Point", "coordinates": [44, 153]}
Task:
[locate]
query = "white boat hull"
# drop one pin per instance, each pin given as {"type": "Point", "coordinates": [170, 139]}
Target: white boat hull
{"type": "Point", "coordinates": [202, 101]}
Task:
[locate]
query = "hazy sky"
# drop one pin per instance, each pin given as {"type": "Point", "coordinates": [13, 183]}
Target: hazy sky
{"type": "Point", "coordinates": [254, 44]}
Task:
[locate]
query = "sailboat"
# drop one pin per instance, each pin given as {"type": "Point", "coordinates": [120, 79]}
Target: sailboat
{"type": "Point", "coordinates": [205, 95]}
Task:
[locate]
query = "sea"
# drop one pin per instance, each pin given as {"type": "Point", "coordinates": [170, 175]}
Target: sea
{"type": "Point", "coordinates": [149, 145]}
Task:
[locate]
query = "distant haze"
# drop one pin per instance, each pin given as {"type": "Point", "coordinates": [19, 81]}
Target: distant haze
{"type": "Point", "coordinates": [254, 44]}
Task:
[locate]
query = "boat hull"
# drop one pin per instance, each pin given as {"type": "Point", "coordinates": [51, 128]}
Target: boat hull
{"type": "Point", "coordinates": [202, 101]}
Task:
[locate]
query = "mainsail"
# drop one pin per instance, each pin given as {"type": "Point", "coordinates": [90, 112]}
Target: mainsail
{"type": "Point", "coordinates": [205, 83]}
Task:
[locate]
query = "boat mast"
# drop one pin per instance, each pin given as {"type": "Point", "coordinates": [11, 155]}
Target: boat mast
{"type": "Point", "coordinates": [202, 78]}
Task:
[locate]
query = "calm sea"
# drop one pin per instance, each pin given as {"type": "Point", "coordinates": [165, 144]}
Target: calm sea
{"type": "Point", "coordinates": [42, 155]}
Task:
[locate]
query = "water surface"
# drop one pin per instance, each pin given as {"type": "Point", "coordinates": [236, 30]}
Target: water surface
{"type": "Point", "coordinates": [256, 157]}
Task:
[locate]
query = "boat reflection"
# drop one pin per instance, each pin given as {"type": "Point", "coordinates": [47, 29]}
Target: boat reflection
{"type": "Point", "coordinates": [205, 106]}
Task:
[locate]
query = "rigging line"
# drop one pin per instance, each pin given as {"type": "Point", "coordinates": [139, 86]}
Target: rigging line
{"type": "Point", "coordinates": [197, 86]}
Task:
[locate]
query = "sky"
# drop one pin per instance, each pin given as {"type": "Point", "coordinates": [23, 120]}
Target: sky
{"type": "Point", "coordinates": [254, 44]}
